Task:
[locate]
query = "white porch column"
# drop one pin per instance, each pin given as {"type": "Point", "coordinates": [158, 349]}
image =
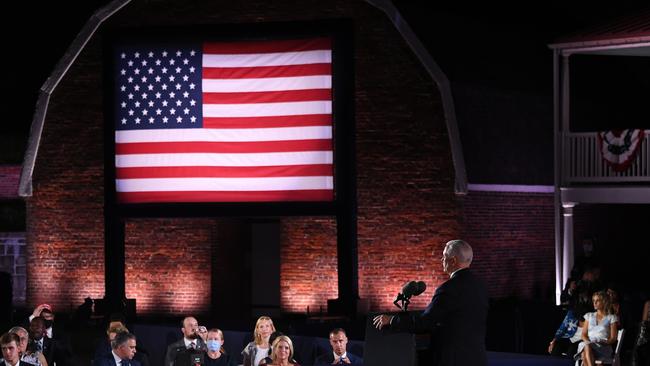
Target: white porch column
{"type": "Point", "coordinates": [567, 243]}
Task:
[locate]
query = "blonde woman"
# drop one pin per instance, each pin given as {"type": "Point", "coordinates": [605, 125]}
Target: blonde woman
{"type": "Point", "coordinates": [599, 332]}
{"type": "Point", "coordinates": [282, 354]}
{"type": "Point", "coordinates": [256, 351]}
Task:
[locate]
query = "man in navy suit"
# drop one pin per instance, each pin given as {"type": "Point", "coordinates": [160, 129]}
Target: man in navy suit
{"type": "Point", "coordinates": [10, 350]}
{"type": "Point", "coordinates": [456, 315]}
{"type": "Point", "coordinates": [339, 355]}
{"type": "Point", "coordinates": [123, 350]}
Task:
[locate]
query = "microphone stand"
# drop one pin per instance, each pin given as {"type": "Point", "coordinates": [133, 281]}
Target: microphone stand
{"type": "Point", "coordinates": [405, 301]}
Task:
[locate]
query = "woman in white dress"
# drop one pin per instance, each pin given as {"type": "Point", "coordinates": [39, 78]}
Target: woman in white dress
{"type": "Point", "coordinates": [598, 332]}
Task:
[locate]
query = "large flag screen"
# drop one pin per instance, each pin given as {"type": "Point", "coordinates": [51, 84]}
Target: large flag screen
{"type": "Point", "coordinates": [224, 121]}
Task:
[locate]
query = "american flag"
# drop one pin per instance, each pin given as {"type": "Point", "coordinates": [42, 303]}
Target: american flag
{"type": "Point", "coordinates": [224, 121]}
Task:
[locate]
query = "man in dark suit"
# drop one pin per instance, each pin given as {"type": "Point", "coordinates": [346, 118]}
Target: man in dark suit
{"type": "Point", "coordinates": [123, 350]}
{"type": "Point", "coordinates": [10, 350]}
{"type": "Point", "coordinates": [339, 354]}
{"type": "Point", "coordinates": [191, 341]}
{"type": "Point", "coordinates": [53, 340]}
{"type": "Point", "coordinates": [456, 316]}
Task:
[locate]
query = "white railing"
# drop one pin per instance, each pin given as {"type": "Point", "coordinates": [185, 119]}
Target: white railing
{"type": "Point", "coordinates": [582, 161]}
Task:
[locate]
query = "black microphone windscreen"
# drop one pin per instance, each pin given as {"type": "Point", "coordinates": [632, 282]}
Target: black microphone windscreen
{"type": "Point", "coordinates": [409, 288]}
{"type": "Point", "coordinates": [421, 287]}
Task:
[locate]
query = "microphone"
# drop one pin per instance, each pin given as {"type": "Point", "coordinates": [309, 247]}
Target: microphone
{"type": "Point", "coordinates": [409, 289]}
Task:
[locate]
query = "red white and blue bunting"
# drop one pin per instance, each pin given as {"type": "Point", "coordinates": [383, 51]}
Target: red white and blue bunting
{"type": "Point", "coordinates": [620, 148]}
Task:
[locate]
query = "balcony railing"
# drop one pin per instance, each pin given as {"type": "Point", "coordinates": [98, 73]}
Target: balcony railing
{"type": "Point", "coordinates": [582, 161]}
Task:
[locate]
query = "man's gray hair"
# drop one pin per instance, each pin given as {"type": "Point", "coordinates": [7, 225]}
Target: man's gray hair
{"type": "Point", "coordinates": [17, 329]}
{"type": "Point", "coordinates": [461, 250]}
{"type": "Point", "coordinates": [121, 338]}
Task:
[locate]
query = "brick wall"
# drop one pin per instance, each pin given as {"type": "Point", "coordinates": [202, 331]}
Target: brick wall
{"type": "Point", "coordinates": [9, 178]}
{"type": "Point", "coordinates": [407, 209]}
{"type": "Point", "coordinates": [168, 265]}
{"type": "Point", "coordinates": [512, 235]}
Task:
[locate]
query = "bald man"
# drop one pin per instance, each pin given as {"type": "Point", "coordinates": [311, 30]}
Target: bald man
{"type": "Point", "coordinates": [191, 341]}
{"type": "Point", "coordinates": [456, 315]}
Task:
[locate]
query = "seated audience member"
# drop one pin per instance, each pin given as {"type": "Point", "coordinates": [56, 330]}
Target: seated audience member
{"type": "Point", "coordinates": [122, 352]}
{"type": "Point", "coordinates": [26, 354]}
{"type": "Point", "coordinates": [570, 293]}
{"type": "Point", "coordinates": [216, 355]}
{"type": "Point", "coordinates": [282, 354]}
{"type": "Point", "coordinates": [50, 348]}
{"type": "Point", "coordinates": [10, 350]}
{"type": "Point", "coordinates": [104, 346]}
{"type": "Point", "coordinates": [259, 348]}
{"type": "Point", "coordinates": [339, 354]}
{"type": "Point", "coordinates": [598, 333]}
{"type": "Point", "coordinates": [641, 350]}
{"type": "Point", "coordinates": [61, 354]}
{"type": "Point", "coordinates": [191, 341]}
{"type": "Point", "coordinates": [567, 336]}
{"type": "Point", "coordinates": [267, 360]}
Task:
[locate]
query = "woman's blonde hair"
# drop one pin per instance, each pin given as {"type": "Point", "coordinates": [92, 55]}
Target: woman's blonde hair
{"type": "Point", "coordinates": [604, 297]}
{"type": "Point", "coordinates": [282, 338]}
{"type": "Point", "coordinates": [258, 337]}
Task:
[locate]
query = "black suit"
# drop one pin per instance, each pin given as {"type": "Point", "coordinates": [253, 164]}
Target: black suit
{"type": "Point", "coordinates": [328, 359]}
{"type": "Point", "coordinates": [179, 346]}
{"type": "Point", "coordinates": [456, 319]}
{"type": "Point", "coordinates": [20, 363]}
{"type": "Point", "coordinates": [109, 360]}
{"type": "Point", "coordinates": [55, 351]}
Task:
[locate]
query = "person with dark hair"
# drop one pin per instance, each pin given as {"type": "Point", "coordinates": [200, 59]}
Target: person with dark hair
{"type": "Point", "coordinates": [9, 342]}
{"type": "Point", "coordinates": [641, 350]}
{"type": "Point", "coordinates": [339, 354]}
{"type": "Point", "coordinates": [122, 352]}
{"type": "Point", "coordinates": [456, 316]}
{"type": "Point", "coordinates": [104, 346]}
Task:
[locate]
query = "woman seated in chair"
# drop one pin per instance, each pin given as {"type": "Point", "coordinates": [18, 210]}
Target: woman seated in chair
{"type": "Point", "coordinates": [282, 354]}
{"type": "Point", "coordinates": [599, 332]}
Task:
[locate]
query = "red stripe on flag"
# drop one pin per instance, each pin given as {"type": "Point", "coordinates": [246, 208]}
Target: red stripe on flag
{"type": "Point", "coordinates": [223, 147]}
{"type": "Point", "coordinates": [316, 170]}
{"type": "Point", "coordinates": [262, 122]}
{"type": "Point", "coordinates": [219, 196]}
{"type": "Point", "coordinates": [296, 45]}
{"type": "Point", "coordinates": [267, 97]}
{"type": "Point", "coordinates": [266, 71]}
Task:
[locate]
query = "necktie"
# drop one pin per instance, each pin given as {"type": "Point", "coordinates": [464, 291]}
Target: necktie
{"type": "Point", "coordinates": [39, 346]}
{"type": "Point", "coordinates": [124, 362]}
{"type": "Point", "coordinates": [192, 345]}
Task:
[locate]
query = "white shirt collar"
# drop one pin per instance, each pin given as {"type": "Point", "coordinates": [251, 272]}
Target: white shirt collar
{"type": "Point", "coordinates": [337, 357]}
{"type": "Point", "coordinates": [8, 364]}
{"type": "Point", "coordinates": [188, 341]}
{"type": "Point", "coordinates": [117, 358]}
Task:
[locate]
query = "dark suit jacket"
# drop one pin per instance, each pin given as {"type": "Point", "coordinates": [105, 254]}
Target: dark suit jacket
{"type": "Point", "coordinates": [20, 363]}
{"type": "Point", "coordinates": [455, 318]}
{"type": "Point", "coordinates": [328, 358]}
{"type": "Point", "coordinates": [56, 351]}
{"type": "Point", "coordinates": [109, 360]}
{"type": "Point", "coordinates": [178, 346]}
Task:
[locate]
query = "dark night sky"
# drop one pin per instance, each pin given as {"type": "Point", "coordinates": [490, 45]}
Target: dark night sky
{"type": "Point", "coordinates": [499, 47]}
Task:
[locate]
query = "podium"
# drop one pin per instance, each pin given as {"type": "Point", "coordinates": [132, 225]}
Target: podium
{"type": "Point", "coordinates": [386, 347]}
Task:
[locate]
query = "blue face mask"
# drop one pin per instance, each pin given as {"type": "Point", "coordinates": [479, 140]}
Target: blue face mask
{"type": "Point", "coordinates": [213, 345]}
